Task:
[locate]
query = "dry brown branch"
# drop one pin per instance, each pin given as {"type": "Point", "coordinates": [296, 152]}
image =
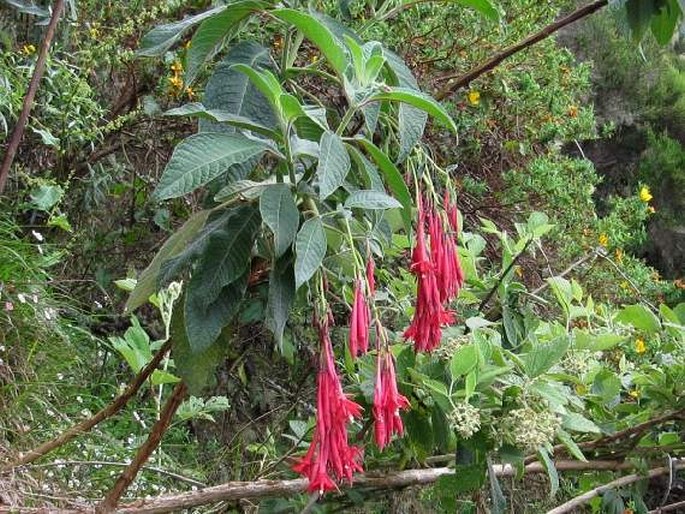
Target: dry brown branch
{"type": "Point", "coordinates": [456, 81]}
{"type": "Point", "coordinates": [18, 131]}
{"type": "Point", "coordinates": [158, 429]}
{"type": "Point", "coordinates": [232, 491]}
{"type": "Point", "coordinates": [89, 423]}
{"type": "Point", "coordinates": [578, 501]}
{"type": "Point", "coordinates": [671, 507]}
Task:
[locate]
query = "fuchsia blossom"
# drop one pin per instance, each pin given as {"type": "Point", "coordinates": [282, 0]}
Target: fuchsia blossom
{"type": "Point", "coordinates": [330, 456]}
{"type": "Point", "coordinates": [439, 277]}
{"type": "Point", "coordinates": [359, 321]}
{"type": "Point", "coordinates": [387, 401]}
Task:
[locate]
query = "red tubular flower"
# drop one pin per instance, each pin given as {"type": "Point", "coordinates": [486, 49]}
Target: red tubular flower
{"type": "Point", "coordinates": [387, 402]}
{"type": "Point", "coordinates": [330, 456]}
{"type": "Point", "coordinates": [429, 314]}
{"type": "Point", "coordinates": [359, 321]}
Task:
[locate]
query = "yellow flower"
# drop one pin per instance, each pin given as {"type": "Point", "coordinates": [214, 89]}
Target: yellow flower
{"type": "Point", "coordinates": [619, 255]}
{"type": "Point", "coordinates": [651, 210]}
{"type": "Point", "coordinates": [188, 44]}
{"type": "Point", "coordinates": [603, 239]}
{"type": "Point", "coordinates": [190, 92]}
{"type": "Point", "coordinates": [176, 82]}
{"type": "Point", "coordinates": [28, 49]}
{"type": "Point", "coordinates": [177, 67]}
{"type": "Point", "coordinates": [573, 111]}
{"type": "Point", "coordinates": [581, 389]}
{"type": "Point", "coordinates": [640, 346]}
{"type": "Point", "coordinates": [645, 194]}
{"type": "Point", "coordinates": [625, 285]}
{"type": "Point", "coordinates": [94, 32]}
{"type": "Point", "coordinates": [314, 59]}
{"type": "Point", "coordinates": [518, 271]}
{"type": "Point", "coordinates": [474, 97]}
{"type": "Point", "coordinates": [634, 393]}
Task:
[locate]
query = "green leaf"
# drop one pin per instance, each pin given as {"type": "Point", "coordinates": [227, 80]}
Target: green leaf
{"type": "Point", "coordinates": [374, 200]}
{"type": "Point", "coordinates": [597, 342]}
{"type": "Point", "coordinates": [202, 158]}
{"type": "Point", "coordinates": [161, 377]}
{"type": "Point", "coordinates": [543, 356]}
{"type": "Point", "coordinates": [310, 249]}
{"type": "Point", "coordinates": [163, 37]}
{"type": "Point", "coordinates": [319, 34]}
{"type": "Point", "coordinates": [464, 360]}
{"type": "Point", "coordinates": [264, 81]}
{"type": "Point", "coordinates": [552, 473]}
{"type": "Point", "coordinates": [419, 100]}
{"type": "Point", "coordinates": [571, 445]}
{"type": "Point", "coordinates": [198, 110]}
{"type": "Point", "coordinates": [134, 347]}
{"type": "Point", "coordinates": [334, 164]}
{"type": "Point", "coordinates": [372, 180]}
{"type": "Point", "coordinates": [230, 91]}
{"type": "Point", "coordinates": [45, 197]}
{"type": "Point", "coordinates": [247, 188]}
{"type": "Point", "coordinates": [195, 368]}
{"type": "Point", "coordinates": [499, 502]}
{"type": "Point", "coordinates": [281, 297]}
{"type": "Point", "coordinates": [172, 268]}
{"type": "Point", "coordinates": [147, 281]}
{"type": "Point", "coordinates": [204, 323]}
{"type": "Point", "coordinates": [485, 7]}
{"type": "Point", "coordinates": [579, 423]}
{"type": "Point", "coordinates": [412, 123]}
{"type": "Point", "coordinates": [639, 14]}
{"type": "Point", "coordinates": [209, 37]}
{"type": "Point", "coordinates": [226, 256]}
{"type": "Point", "coordinates": [280, 214]}
{"type": "Point", "coordinates": [639, 316]}
{"type": "Point", "coordinates": [393, 179]}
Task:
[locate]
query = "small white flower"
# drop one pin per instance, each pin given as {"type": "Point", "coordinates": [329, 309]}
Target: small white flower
{"type": "Point", "coordinates": [38, 236]}
{"type": "Point", "coordinates": [21, 297]}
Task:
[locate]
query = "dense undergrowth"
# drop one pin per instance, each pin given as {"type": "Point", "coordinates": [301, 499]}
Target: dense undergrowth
{"type": "Point", "coordinates": [563, 334]}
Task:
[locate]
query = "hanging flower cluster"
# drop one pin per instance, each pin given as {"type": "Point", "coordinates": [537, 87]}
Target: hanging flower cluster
{"type": "Point", "coordinates": [330, 456]}
{"type": "Point", "coordinates": [435, 263]}
{"type": "Point", "coordinates": [438, 272]}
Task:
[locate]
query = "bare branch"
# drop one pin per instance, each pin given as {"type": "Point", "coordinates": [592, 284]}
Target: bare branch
{"type": "Point", "coordinates": [578, 501]}
{"type": "Point", "coordinates": [89, 423]}
{"type": "Point", "coordinates": [144, 452]}
{"type": "Point", "coordinates": [18, 131]}
{"type": "Point", "coordinates": [456, 81]}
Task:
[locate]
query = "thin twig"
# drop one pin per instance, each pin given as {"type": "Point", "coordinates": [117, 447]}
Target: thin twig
{"type": "Point", "coordinates": [158, 429]}
{"type": "Point", "coordinates": [19, 128]}
{"type": "Point", "coordinates": [160, 471]}
{"type": "Point", "coordinates": [578, 501]}
{"type": "Point", "coordinates": [504, 274]}
{"type": "Point", "coordinates": [671, 507]}
{"type": "Point", "coordinates": [89, 423]}
{"type": "Point", "coordinates": [456, 81]}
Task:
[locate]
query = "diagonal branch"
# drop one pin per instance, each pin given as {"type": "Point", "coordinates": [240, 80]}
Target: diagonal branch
{"type": "Point", "coordinates": [579, 501]}
{"type": "Point", "coordinates": [89, 423]}
{"type": "Point", "coordinates": [158, 429]}
{"type": "Point", "coordinates": [456, 81]}
{"type": "Point", "coordinates": [18, 131]}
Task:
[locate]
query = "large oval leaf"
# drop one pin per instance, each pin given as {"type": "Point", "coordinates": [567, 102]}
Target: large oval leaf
{"type": "Point", "coordinates": [214, 31]}
{"type": "Point", "coordinates": [319, 34]}
{"type": "Point", "coordinates": [310, 249]}
{"type": "Point", "coordinates": [419, 100]}
{"type": "Point", "coordinates": [163, 37]}
{"type": "Point", "coordinates": [280, 214]}
{"type": "Point", "coordinates": [334, 164]}
{"type": "Point", "coordinates": [202, 158]}
{"type": "Point", "coordinates": [373, 200]}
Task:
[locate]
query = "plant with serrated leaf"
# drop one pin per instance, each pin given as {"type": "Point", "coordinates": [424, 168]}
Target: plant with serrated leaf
{"type": "Point", "coordinates": [305, 184]}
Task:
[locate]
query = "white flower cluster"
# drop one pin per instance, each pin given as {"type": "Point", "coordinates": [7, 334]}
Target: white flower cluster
{"type": "Point", "coordinates": [449, 347]}
{"type": "Point", "coordinates": [529, 430]}
{"type": "Point", "coordinates": [464, 419]}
